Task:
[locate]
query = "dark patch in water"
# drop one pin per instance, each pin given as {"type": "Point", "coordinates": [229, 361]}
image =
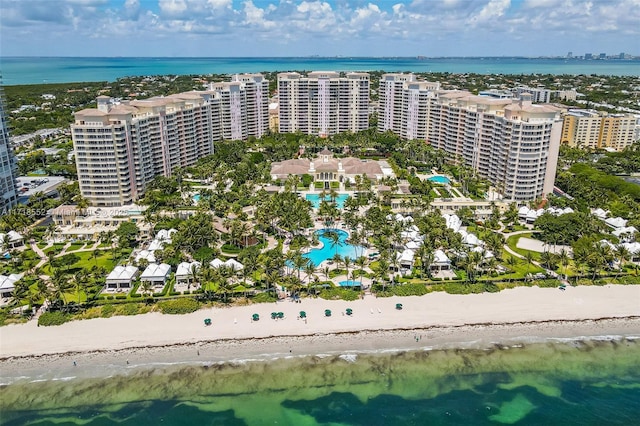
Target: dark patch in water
{"type": "Point", "coordinates": [167, 413]}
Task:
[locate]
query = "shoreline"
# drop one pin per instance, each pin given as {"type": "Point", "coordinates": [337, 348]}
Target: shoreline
{"type": "Point", "coordinates": [118, 345]}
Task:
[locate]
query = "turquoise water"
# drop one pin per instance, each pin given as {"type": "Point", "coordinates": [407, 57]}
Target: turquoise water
{"type": "Point", "coordinates": [315, 200]}
{"type": "Point", "coordinates": [37, 70]}
{"type": "Point", "coordinates": [573, 383]}
{"type": "Point", "coordinates": [440, 179]}
{"type": "Point", "coordinates": [196, 197]}
{"type": "Point", "coordinates": [349, 283]}
{"type": "Point", "coordinates": [319, 255]}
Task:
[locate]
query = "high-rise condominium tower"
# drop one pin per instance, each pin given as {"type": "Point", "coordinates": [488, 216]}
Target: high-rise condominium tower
{"type": "Point", "coordinates": [121, 147]}
{"type": "Point", "coordinates": [323, 103]}
{"type": "Point", "coordinates": [512, 143]}
{"type": "Point", "coordinates": [8, 168]}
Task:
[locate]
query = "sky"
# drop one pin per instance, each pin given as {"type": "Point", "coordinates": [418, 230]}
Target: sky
{"type": "Point", "coordinates": [237, 28]}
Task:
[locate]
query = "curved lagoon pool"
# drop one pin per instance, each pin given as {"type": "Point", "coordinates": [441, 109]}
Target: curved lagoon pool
{"type": "Point", "coordinates": [319, 255]}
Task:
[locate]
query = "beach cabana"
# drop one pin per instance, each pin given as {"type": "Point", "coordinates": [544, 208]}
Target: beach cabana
{"type": "Point", "coordinates": [147, 255]}
{"type": "Point", "coordinates": [216, 263]}
{"type": "Point", "coordinates": [184, 272]}
{"type": "Point", "coordinates": [440, 261]}
{"type": "Point", "coordinates": [7, 285]}
{"type": "Point", "coordinates": [234, 265]}
{"type": "Point", "coordinates": [121, 277]}
{"type": "Point", "coordinates": [11, 240]}
{"type": "Point", "coordinates": [616, 222]}
{"type": "Point", "coordinates": [405, 258]}
{"type": "Point", "coordinates": [156, 274]}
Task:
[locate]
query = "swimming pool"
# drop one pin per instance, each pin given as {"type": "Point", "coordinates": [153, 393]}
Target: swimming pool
{"type": "Point", "coordinates": [319, 255]}
{"type": "Point", "coordinates": [349, 283]}
{"type": "Point", "coordinates": [315, 200]}
{"type": "Point", "coordinates": [196, 198]}
{"type": "Point", "coordinates": [440, 179]}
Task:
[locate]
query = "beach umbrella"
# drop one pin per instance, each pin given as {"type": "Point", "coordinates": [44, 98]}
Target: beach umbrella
{"type": "Point", "coordinates": [398, 306]}
{"type": "Point", "coordinates": [255, 317]}
{"type": "Point", "coordinates": [349, 311]}
{"type": "Point", "coordinates": [327, 313]}
{"type": "Point", "coordinates": [280, 315]}
{"type": "Point", "coordinates": [274, 315]}
{"type": "Point", "coordinates": [303, 314]}
{"type": "Point", "coordinates": [207, 321]}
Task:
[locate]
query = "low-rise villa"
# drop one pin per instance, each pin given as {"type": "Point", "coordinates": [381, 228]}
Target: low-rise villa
{"type": "Point", "coordinates": [184, 273]}
{"type": "Point", "coordinates": [325, 168]}
{"type": "Point", "coordinates": [156, 274]}
{"type": "Point", "coordinates": [121, 277]}
{"type": "Point", "coordinates": [11, 240]}
{"type": "Point", "coordinates": [7, 285]}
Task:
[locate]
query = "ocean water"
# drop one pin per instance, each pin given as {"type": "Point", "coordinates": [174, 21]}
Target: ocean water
{"type": "Point", "coordinates": [38, 70]}
{"type": "Point", "coordinates": [595, 382]}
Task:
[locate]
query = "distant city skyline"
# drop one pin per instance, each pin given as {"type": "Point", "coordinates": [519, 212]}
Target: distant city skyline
{"type": "Point", "coordinates": [253, 28]}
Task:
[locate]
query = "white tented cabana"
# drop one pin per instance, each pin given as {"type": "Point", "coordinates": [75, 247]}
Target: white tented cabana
{"type": "Point", "coordinates": [11, 240]}
{"type": "Point", "coordinates": [147, 255]}
{"type": "Point", "coordinates": [234, 265]}
{"type": "Point", "coordinates": [121, 277]}
{"type": "Point", "coordinates": [7, 285]}
{"type": "Point", "coordinates": [184, 273]}
{"type": "Point", "coordinates": [616, 222]}
{"type": "Point", "coordinates": [405, 259]}
{"type": "Point", "coordinates": [156, 274]}
{"type": "Point", "coordinates": [216, 263]}
{"type": "Point", "coordinates": [440, 261]}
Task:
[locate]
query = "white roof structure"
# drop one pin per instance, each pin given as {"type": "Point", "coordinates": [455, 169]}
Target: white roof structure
{"type": "Point", "coordinates": [11, 237]}
{"type": "Point", "coordinates": [439, 257]}
{"type": "Point", "coordinates": [627, 230]}
{"type": "Point", "coordinates": [147, 255]}
{"type": "Point", "coordinates": [7, 283]}
{"type": "Point", "coordinates": [234, 265]}
{"type": "Point", "coordinates": [156, 245]}
{"type": "Point", "coordinates": [184, 268]}
{"type": "Point", "coordinates": [123, 273]}
{"type": "Point", "coordinates": [616, 222]}
{"type": "Point", "coordinates": [413, 245]}
{"type": "Point", "coordinates": [601, 214]}
{"type": "Point", "coordinates": [471, 240]}
{"type": "Point", "coordinates": [487, 253]}
{"type": "Point", "coordinates": [406, 256]}
{"type": "Point", "coordinates": [633, 248]}
{"type": "Point", "coordinates": [453, 221]}
{"type": "Point", "coordinates": [216, 263]}
{"type": "Point", "coordinates": [523, 212]}
{"type": "Point", "coordinates": [165, 234]}
{"type": "Point", "coordinates": [156, 272]}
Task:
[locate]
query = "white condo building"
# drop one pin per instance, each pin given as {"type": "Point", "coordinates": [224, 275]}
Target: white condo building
{"type": "Point", "coordinates": [8, 193]}
{"type": "Point", "coordinates": [511, 142]}
{"type": "Point", "coordinates": [121, 147]}
{"type": "Point", "coordinates": [323, 103]}
{"type": "Point", "coordinates": [404, 103]}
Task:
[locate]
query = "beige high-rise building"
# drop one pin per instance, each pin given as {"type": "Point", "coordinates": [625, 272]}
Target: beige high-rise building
{"type": "Point", "coordinates": [121, 147]}
{"type": "Point", "coordinates": [323, 103]}
{"type": "Point", "coordinates": [597, 130]}
{"type": "Point", "coordinates": [512, 143]}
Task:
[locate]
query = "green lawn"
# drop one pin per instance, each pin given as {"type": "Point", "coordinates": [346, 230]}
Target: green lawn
{"type": "Point", "coordinates": [512, 241]}
{"type": "Point", "coordinates": [86, 261]}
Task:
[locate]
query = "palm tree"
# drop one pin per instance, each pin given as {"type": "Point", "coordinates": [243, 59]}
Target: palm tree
{"type": "Point", "coordinates": [94, 255]}
{"type": "Point", "coordinates": [309, 269]}
{"type": "Point", "coordinates": [361, 262]}
{"type": "Point", "coordinates": [528, 257]}
{"type": "Point", "coordinates": [334, 240]}
{"type": "Point", "coordinates": [563, 258]}
{"type": "Point", "coordinates": [623, 254]}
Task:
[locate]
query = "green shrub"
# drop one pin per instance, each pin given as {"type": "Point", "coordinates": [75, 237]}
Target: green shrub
{"type": "Point", "coordinates": [120, 296]}
{"type": "Point", "coordinates": [264, 298]}
{"type": "Point", "coordinates": [130, 309]}
{"type": "Point", "coordinates": [135, 295]}
{"type": "Point", "coordinates": [53, 318]}
{"type": "Point", "coordinates": [179, 306]}
{"type": "Point", "coordinates": [107, 311]}
{"type": "Point", "coordinates": [339, 293]}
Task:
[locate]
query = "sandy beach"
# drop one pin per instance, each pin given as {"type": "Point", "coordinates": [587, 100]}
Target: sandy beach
{"type": "Point", "coordinates": [434, 320]}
